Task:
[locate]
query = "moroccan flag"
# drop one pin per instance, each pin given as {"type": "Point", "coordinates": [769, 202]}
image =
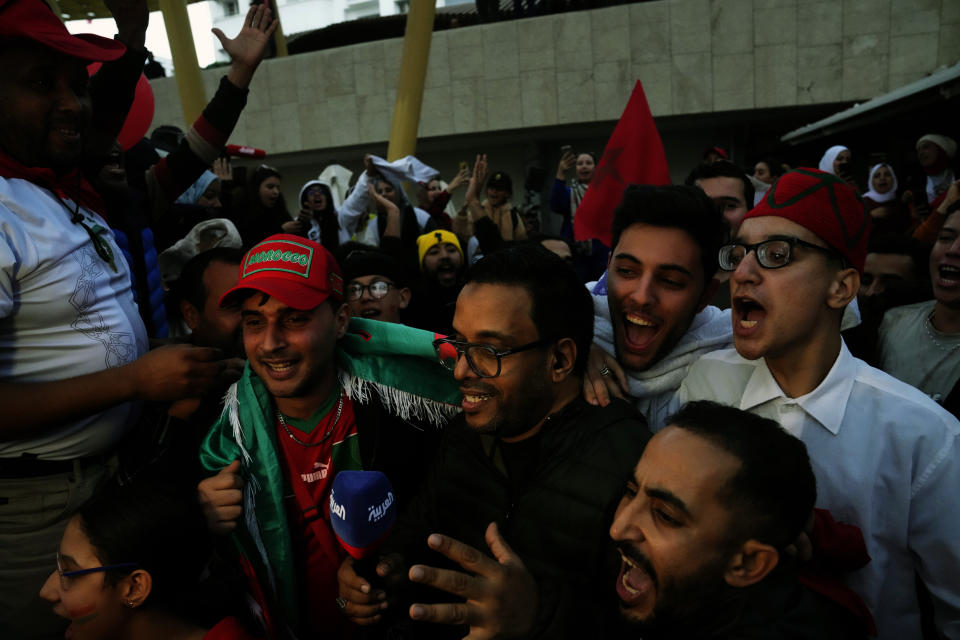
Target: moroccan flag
{"type": "Point", "coordinates": [633, 155]}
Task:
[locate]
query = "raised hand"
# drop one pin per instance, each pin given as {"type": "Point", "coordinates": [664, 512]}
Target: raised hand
{"type": "Point", "coordinates": [221, 497]}
{"type": "Point", "coordinates": [132, 17]}
{"type": "Point", "coordinates": [246, 51]}
{"type": "Point", "coordinates": [478, 178]}
{"type": "Point", "coordinates": [501, 594]}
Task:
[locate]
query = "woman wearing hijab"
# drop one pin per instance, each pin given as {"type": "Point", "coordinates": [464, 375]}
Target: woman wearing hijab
{"type": "Point", "coordinates": [885, 211]}
{"type": "Point", "coordinates": [318, 219]}
{"type": "Point", "coordinates": [836, 161]}
{"type": "Point", "coordinates": [199, 202]}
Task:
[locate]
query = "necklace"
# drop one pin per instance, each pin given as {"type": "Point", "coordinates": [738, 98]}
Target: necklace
{"type": "Point", "coordinates": [927, 325]}
{"type": "Point", "coordinates": [283, 423]}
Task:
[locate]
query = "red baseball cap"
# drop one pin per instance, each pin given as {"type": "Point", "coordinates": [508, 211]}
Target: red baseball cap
{"type": "Point", "coordinates": [34, 20]}
{"type": "Point", "coordinates": [298, 272]}
{"type": "Point", "coordinates": [824, 204]}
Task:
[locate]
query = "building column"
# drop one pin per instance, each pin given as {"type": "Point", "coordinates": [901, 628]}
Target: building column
{"type": "Point", "coordinates": [413, 74]}
{"type": "Point", "coordinates": [186, 69]}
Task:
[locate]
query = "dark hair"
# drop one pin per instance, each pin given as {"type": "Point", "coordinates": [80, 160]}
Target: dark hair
{"type": "Point", "coordinates": [160, 528]}
{"type": "Point", "coordinates": [722, 169]}
{"type": "Point", "coordinates": [561, 306]}
{"type": "Point", "coordinates": [773, 165]}
{"type": "Point", "coordinates": [773, 492]}
{"type": "Point", "coordinates": [589, 153]}
{"type": "Point", "coordinates": [189, 286]}
{"type": "Point", "coordinates": [905, 246]}
{"type": "Point", "coordinates": [674, 207]}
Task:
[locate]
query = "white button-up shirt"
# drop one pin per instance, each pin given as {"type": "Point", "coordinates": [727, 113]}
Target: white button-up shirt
{"type": "Point", "coordinates": [886, 458]}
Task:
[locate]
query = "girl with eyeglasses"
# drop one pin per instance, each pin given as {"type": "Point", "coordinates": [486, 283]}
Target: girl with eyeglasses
{"type": "Point", "coordinates": [129, 567]}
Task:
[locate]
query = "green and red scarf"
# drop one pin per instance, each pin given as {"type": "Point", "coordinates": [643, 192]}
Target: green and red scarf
{"type": "Point", "coordinates": [393, 361]}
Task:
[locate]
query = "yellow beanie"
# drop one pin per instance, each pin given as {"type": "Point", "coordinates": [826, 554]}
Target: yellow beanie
{"type": "Point", "coordinates": [433, 238]}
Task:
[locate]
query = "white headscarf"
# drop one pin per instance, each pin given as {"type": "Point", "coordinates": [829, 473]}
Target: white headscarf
{"type": "Point", "coordinates": [826, 162]}
{"type": "Point", "coordinates": [881, 197]}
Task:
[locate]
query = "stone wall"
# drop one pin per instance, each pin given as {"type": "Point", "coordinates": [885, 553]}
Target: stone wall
{"type": "Point", "coordinates": [693, 56]}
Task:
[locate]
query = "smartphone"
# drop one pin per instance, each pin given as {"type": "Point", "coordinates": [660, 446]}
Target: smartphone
{"type": "Point", "coordinates": [464, 165]}
{"type": "Point", "coordinates": [565, 149]}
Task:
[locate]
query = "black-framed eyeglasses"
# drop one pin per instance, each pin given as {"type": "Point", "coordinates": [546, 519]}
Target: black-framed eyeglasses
{"type": "Point", "coordinates": [378, 290]}
{"type": "Point", "coordinates": [772, 253]}
{"type": "Point", "coordinates": [484, 359]}
{"type": "Point", "coordinates": [65, 576]}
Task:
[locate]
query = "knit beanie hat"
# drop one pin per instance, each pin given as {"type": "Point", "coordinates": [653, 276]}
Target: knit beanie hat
{"type": "Point", "coordinates": [433, 238]}
{"type": "Point", "coordinates": [823, 204]}
{"type": "Point", "coordinates": [948, 145]}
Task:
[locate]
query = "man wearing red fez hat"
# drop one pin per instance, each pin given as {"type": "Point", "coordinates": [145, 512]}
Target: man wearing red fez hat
{"type": "Point", "coordinates": [74, 365]}
{"type": "Point", "coordinates": [886, 457]}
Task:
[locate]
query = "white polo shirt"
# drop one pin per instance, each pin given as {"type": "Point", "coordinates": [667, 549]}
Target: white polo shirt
{"type": "Point", "coordinates": [64, 312]}
{"type": "Point", "coordinates": [886, 458]}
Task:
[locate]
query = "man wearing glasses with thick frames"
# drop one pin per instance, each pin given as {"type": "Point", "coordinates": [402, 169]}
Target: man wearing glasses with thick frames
{"type": "Point", "coordinates": [886, 457]}
{"type": "Point", "coordinates": [531, 471]}
{"type": "Point", "coordinates": [376, 287]}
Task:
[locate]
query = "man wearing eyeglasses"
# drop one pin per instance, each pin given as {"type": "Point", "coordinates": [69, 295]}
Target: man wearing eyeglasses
{"type": "Point", "coordinates": [529, 454]}
{"type": "Point", "coordinates": [886, 457]}
{"type": "Point", "coordinates": [375, 285]}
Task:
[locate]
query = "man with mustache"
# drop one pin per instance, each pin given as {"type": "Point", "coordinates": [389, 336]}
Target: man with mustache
{"type": "Point", "coordinates": [703, 531]}
{"type": "Point", "coordinates": [529, 454]}
{"type": "Point", "coordinates": [886, 457]}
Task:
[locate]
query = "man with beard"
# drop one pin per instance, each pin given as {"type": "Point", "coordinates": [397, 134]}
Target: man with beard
{"type": "Point", "coordinates": [435, 296]}
{"type": "Point", "coordinates": [651, 319]}
{"type": "Point", "coordinates": [886, 457]}
{"type": "Point", "coordinates": [529, 454]}
{"type": "Point", "coordinates": [704, 528]}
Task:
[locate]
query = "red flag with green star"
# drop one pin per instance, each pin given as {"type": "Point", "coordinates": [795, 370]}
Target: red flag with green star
{"type": "Point", "coordinates": [633, 155]}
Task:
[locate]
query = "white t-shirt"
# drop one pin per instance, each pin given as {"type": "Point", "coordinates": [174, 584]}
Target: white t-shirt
{"type": "Point", "coordinates": [886, 459]}
{"type": "Point", "coordinates": [911, 349]}
{"type": "Point", "coordinates": [64, 312]}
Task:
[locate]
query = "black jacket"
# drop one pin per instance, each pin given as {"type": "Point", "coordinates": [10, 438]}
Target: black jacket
{"type": "Point", "coordinates": [557, 520]}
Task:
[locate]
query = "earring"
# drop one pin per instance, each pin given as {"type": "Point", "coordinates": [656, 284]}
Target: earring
{"type": "Point", "coordinates": [129, 604]}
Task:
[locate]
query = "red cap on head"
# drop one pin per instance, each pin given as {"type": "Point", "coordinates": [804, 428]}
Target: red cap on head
{"type": "Point", "coordinates": [824, 204]}
{"type": "Point", "coordinates": [298, 272]}
{"type": "Point", "coordinates": [34, 20]}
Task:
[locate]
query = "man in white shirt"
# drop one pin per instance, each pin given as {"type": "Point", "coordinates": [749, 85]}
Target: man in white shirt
{"type": "Point", "coordinates": [886, 457]}
{"type": "Point", "coordinates": [73, 350]}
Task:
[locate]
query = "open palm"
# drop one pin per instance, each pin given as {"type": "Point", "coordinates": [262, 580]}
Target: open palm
{"type": "Point", "coordinates": [250, 45]}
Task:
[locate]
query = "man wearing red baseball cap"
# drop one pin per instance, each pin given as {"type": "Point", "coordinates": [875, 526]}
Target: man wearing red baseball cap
{"type": "Point", "coordinates": [886, 457]}
{"type": "Point", "coordinates": [74, 365]}
{"type": "Point", "coordinates": [300, 402]}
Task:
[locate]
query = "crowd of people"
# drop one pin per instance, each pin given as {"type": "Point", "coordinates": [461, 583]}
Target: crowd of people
{"type": "Point", "coordinates": [372, 414]}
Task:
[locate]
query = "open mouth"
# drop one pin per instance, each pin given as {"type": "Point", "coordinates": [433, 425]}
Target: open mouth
{"type": "Point", "coordinates": [67, 132]}
{"type": "Point", "coordinates": [948, 276]}
{"type": "Point", "coordinates": [372, 314]}
{"type": "Point", "coordinates": [747, 313]}
{"type": "Point", "coordinates": [639, 331]}
{"type": "Point", "coordinates": [634, 583]}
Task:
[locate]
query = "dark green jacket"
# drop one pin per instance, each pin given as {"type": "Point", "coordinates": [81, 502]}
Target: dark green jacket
{"type": "Point", "coordinates": [558, 523]}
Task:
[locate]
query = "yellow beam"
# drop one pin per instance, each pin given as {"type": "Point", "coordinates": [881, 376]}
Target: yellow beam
{"type": "Point", "coordinates": [413, 74]}
{"type": "Point", "coordinates": [279, 40]}
{"type": "Point", "coordinates": [186, 69]}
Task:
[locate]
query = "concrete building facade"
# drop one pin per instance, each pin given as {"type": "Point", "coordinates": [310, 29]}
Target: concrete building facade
{"type": "Point", "coordinates": [727, 72]}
